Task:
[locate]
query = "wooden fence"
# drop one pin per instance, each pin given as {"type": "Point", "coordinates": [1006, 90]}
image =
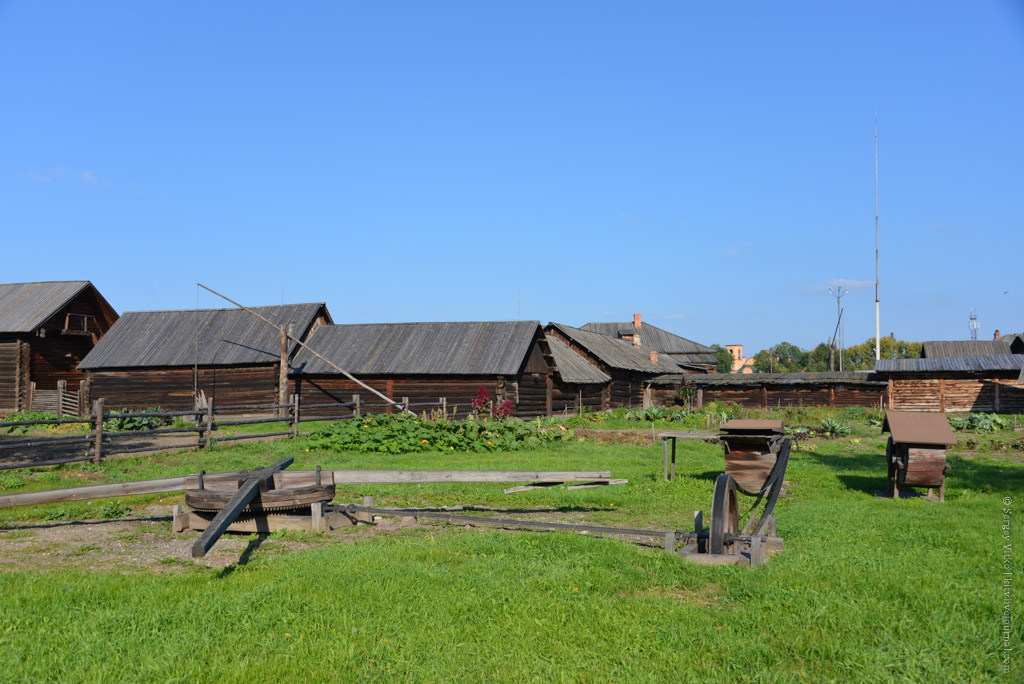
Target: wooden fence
{"type": "Point", "coordinates": [62, 401]}
{"type": "Point", "coordinates": [99, 443]}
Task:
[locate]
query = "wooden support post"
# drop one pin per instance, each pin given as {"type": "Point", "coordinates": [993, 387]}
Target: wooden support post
{"type": "Point", "coordinates": [282, 376]}
{"type": "Point", "coordinates": [664, 454]}
{"type": "Point", "coordinates": [97, 412]}
{"type": "Point", "coordinates": [756, 551]}
{"type": "Point", "coordinates": [295, 415]}
{"type": "Point", "coordinates": [209, 425]}
{"type": "Point", "coordinates": [942, 395]}
{"type": "Point", "coordinates": [764, 396]}
{"type": "Point", "coordinates": [548, 395]}
{"type": "Point", "coordinates": [316, 524]}
{"type": "Point", "coordinates": [444, 407]}
{"type": "Point", "coordinates": [995, 398]}
{"type": "Point", "coordinates": [355, 404]}
{"type": "Point", "coordinates": [363, 516]}
{"type": "Point", "coordinates": [673, 478]}
{"type": "Point", "coordinates": [670, 542]}
{"type": "Point", "coordinates": [405, 404]}
{"type": "Point", "coordinates": [179, 519]}
{"type": "Point", "coordinates": [62, 388]}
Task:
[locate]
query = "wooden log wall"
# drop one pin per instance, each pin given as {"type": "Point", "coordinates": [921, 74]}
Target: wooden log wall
{"type": "Point", "coordinates": [780, 396]}
{"type": "Point", "coordinates": [458, 393]}
{"type": "Point", "coordinates": [567, 397]}
{"type": "Point", "coordinates": [952, 394]}
{"type": "Point", "coordinates": [8, 376]}
{"type": "Point", "coordinates": [171, 388]}
{"type": "Point", "coordinates": [55, 357]}
{"type": "Point", "coordinates": [533, 396]}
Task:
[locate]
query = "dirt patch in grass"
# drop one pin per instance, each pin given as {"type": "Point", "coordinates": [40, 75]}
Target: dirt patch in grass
{"type": "Point", "coordinates": [146, 543]}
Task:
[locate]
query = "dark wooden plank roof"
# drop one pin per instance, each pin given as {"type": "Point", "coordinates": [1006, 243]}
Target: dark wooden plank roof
{"type": "Point", "coordinates": [981, 363]}
{"type": "Point", "coordinates": [481, 348]}
{"type": "Point", "coordinates": [741, 379]}
{"type": "Point", "coordinates": [651, 337]}
{"type": "Point", "coordinates": [209, 337]}
{"type": "Point", "coordinates": [573, 368]}
{"type": "Point", "coordinates": [614, 353]}
{"type": "Point", "coordinates": [1004, 345]}
{"type": "Point", "coordinates": [26, 306]}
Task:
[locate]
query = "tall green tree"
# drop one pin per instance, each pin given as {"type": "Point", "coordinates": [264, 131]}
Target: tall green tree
{"type": "Point", "coordinates": [788, 358]}
{"type": "Point", "coordinates": [723, 359]}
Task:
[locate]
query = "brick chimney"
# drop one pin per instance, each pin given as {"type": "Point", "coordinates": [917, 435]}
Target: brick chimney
{"type": "Point", "coordinates": [636, 321]}
{"type": "Point", "coordinates": [997, 335]}
{"type": "Point", "coordinates": [654, 356]}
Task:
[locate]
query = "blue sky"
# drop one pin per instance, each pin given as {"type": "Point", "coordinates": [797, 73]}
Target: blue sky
{"type": "Point", "coordinates": [710, 165]}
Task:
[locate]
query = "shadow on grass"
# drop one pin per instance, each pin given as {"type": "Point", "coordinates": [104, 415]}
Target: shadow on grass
{"type": "Point", "coordinates": [246, 556]}
{"type": "Point", "coordinates": [867, 472]}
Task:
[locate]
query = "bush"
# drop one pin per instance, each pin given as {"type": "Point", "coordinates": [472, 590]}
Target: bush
{"type": "Point", "coordinates": [979, 422]}
{"type": "Point", "coordinates": [403, 433]}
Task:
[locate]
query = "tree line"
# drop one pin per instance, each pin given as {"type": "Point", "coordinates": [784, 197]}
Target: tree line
{"type": "Point", "coordinates": [789, 358]}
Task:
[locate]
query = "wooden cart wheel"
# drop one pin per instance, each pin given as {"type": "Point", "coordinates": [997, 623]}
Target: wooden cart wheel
{"type": "Point", "coordinates": [725, 514]}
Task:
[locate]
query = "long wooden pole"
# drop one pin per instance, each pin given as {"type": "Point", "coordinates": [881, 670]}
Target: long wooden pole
{"type": "Point", "coordinates": [308, 348]}
{"type": "Point", "coordinates": [175, 484]}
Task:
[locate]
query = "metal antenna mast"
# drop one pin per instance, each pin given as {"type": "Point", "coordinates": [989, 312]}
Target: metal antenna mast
{"type": "Point", "coordinates": [878, 326]}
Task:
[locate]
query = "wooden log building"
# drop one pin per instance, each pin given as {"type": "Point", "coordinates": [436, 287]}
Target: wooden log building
{"type": "Point", "coordinates": [163, 358]}
{"type": "Point", "coordinates": [629, 369]}
{"type": "Point", "coordinates": [46, 329]}
{"type": "Point", "coordinates": [986, 382]}
{"type": "Point", "coordinates": [691, 356]}
{"type": "Point", "coordinates": [776, 390]}
{"type": "Point", "coordinates": [428, 362]}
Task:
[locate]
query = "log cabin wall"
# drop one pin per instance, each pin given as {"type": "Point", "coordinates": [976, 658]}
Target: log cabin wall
{"type": "Point", "coordinates": [9, 375]}
{"type": "Point", "coordinates": [171, 388]}
{"type": "Point", "coordinates": [750, 395]}
{"type": "Point", "coordinates": [997, 393]}
{"type": "Point", "coordinates": [566, 397]}
{"type": "Point", "coordinates": [61, 343]}
{"type": "Point", "coordinates": [458, 393]}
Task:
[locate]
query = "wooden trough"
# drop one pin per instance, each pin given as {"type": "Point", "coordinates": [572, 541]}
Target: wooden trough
{"type": "Point", "coordinates": [916, 451]}
{"type": "Point", "coordinates": [751, 450]}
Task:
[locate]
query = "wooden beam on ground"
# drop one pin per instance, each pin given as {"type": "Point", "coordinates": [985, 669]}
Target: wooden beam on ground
{"type": "Point", "coordinates": [341, 477]}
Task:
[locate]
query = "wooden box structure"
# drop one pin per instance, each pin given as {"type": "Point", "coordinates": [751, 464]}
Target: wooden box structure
{"type": "Point", "coordinates": [916, 451]}
{"type": "Point", "coordinates": [751, 449]}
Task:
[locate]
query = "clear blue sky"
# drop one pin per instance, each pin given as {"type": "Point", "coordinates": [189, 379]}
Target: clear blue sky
{"type": "Point", "coordinates": [710, 165]}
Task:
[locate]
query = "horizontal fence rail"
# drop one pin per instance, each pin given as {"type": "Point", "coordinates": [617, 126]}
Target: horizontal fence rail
{"type": "Point", "coordinates": [103, 439]}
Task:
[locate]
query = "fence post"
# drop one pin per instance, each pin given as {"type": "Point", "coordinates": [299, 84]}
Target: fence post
{"type": "Point", "coordinates": [295, 415]}
{"type": "Point", "coordinates": [405, 404]}
{"type": "Point", "coordinates": [98, 422]}
{"type": "Point", "coordinates": [209, 425]}
{"type": "Point", "coordinates": [62, 387]}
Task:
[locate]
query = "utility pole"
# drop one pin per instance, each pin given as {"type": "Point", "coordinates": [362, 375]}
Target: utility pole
{"type": "Point", "coordinates": [878, 338]}
{"type": "Point", "coordinates": [838, 293]}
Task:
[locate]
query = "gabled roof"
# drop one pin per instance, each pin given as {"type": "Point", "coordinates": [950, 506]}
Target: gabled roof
{"type": "Point", "coordinates": [650, 336]}
{"type": "Point", "coordinates": [573, 368]}
{"type": "Point", "coordinates": [613, 352]}
{"type": "Point", "coordinates": [487, 348]}
{"type": "Point", "coordinates": [205, 337]}
{"type": "Point", "coordinates": [955, 364]}
{"type": "Point", "coordinates": [679, 348]}
{"type": "Point", "coordinates": [1007, 344]}
{"type": "Point", "coordinates": [26, 306]}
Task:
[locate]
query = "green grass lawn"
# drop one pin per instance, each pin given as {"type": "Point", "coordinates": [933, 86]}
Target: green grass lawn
{"type": "Point", "coordinates": [867, 589]}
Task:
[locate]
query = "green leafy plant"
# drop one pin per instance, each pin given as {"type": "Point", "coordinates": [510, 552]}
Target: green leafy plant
{"type": "Point", "coordinates": [403, 433]}
{"type": "Point", "coordinates": [114, 509]}
{"type": "Point", "coordinates": [133, 423]}
{"type": "Point", "coordinates": [26, 415]}
{"type": "Point", "coordinates": [830, 427]}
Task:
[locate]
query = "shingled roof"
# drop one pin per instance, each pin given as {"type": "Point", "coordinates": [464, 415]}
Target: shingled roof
{"type": "Point", "coordinates": [573, 368]}
{"type": "Point", "coordinates": [679, 348]}
{"type": "Point", "coordinates": [1007, 344]}
{"type": "Point", "coordinates": [614, 353]}
{"type": "Point", "coordinates": [979, 363]}
{"type": "Point", "coordinates": [207, 337]}
{"type": "Point", "coordinates": [479, 348]}
{"type": "Point", "coordinates": [26, 306]}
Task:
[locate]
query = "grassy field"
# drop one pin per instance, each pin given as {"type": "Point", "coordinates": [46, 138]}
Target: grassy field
{"type": "Point", "coordinates": [867, 589]}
